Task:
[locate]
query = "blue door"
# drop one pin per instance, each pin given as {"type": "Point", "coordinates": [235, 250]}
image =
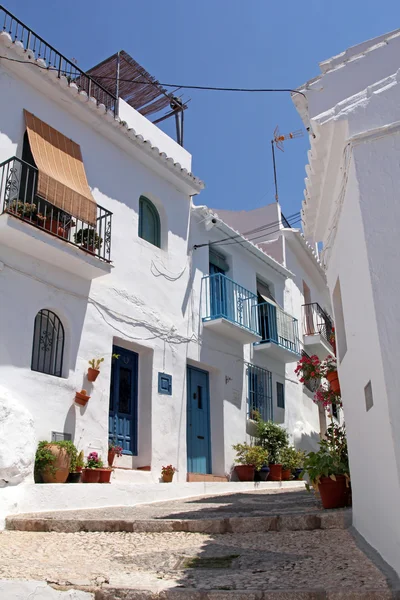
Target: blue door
{"type": "Point", "coordinates": [123, 400]}
{"type": "Point", "coordinates": [198, 422]}
{"type": "Point", "coordinates": [218, 296]}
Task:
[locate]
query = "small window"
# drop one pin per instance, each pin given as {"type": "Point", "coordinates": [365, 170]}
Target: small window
{"type": "Point", "coordinates": [149, 222]}
{"type": "Point", "coordinates": [280, 395]}
{"type": "Point", "coordinates": [48, 344]}
{"type": "Point", "coordinates": [259, 393]}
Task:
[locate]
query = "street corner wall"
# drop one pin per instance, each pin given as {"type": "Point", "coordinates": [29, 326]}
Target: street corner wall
{"type": "Point", "coordinates": [369, 431]}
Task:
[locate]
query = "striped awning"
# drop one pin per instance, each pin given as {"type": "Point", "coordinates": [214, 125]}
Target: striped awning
{"type": "Point", "coordinates": [61, 178]}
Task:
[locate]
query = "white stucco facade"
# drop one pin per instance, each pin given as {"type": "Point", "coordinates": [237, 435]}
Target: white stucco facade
{"type": "Point", "coordinates": [351, 206]}
{"type": "Point", "coordinates": [149, 300]}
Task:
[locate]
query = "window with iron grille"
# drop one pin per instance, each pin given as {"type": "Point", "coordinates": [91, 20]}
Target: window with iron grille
{"type": "Point", "coordinates": [48, 344]}
{"type": "Point", "coordinates": [259, 392]}
{"type": "Point", "coordinates": [280, 395]}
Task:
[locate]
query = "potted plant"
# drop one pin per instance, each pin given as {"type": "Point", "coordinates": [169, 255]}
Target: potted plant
{"type": "Point", "coordinates": [82, 397]}
{"type": "Point", "coordinates": [167, 473]}
{"type": "Point", "coordinates": [249, 459]}
{"type": "Point", "coordinates": [327, 397]}
{"type": "Point", "coordinates": [105, 474]}
{"type": "Point", "coordinates": [94, 368]}
{"type": "Point", "coordinates": [28, 211]}
{"type": "Point", "coordinates": [272, 438]}
{"type": "Point", "coordinates": [113, 451]}
{"type": "Point", "coordinates": [308, 368]}
{"type": "Point", "coordinates": [76, 467]}
{"type": "Point", "coordinates": [287, 457]}
{"type": "Point", "coordinates": [53, 460]}
{"type": "Point", "coordinates": [88, 239]}
{"type": "Point", "coordinates": [328, 469]}
{"type": "Point", "coordinates": [329, 371]}
{"type": "Point", "coordinates": [91, 472]}
{"type": "Point", "coordinates": [263, 473]}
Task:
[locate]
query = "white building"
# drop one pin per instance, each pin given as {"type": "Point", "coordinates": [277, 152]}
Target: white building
{"type": "Point", "coordinates": [205, 332]}
{"type": "Point", "coordinates": [351, 206]}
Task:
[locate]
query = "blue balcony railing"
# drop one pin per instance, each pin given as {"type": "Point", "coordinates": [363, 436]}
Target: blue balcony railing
{"type": "Point", "coordinates": [277, 326]}
{"type": "Point", "coordinates": [225, 299]}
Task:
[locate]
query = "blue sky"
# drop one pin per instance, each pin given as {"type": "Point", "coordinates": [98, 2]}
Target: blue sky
{"type": "Point", "coordinates": [232, 43]}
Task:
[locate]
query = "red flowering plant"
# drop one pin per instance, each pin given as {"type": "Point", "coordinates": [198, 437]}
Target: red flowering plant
{"type": "Point", "coordinates": [332, 337]}
{"type": "Point", "coordinates": [327, 398]}
{"type": "Point", "coordinates": [168, 470]}
{"type": "Point", "coordinates": [329, 365]}
{"type": "Point", "coordinates": [115, 448]}
{"type": "Point", "coordinates": [94, 461]}
{"type": "Point", "coordinates": [308, 367]}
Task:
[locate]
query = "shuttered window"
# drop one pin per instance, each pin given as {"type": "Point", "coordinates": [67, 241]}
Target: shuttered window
{"type": "Point", "coordinates": [149, 222]}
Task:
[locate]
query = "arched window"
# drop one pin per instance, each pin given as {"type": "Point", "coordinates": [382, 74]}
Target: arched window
{"type": "Point", "coordinates": [149, 222]}
{"type": "Point", "coordinates": [48, 344]}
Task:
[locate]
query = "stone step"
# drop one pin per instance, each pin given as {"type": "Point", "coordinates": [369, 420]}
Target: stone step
{"type": "Point", "coordinates": [338, 519]}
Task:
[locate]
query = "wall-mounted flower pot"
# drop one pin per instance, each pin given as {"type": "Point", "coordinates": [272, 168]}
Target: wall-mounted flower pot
{"type": "Point", "coordinates": [334, 494]}
{"type": "Point", "coordinates": [90, 476]}
{"type": "Point", "coordinates": [245, 472]}
{"type": "Point", "coordinates": [81, 398]}
{"type": "Point", "coordinates": [58, 471]}
{"type": "Point", "coordinates": [167, 477]}
{"type": "Point", "coordinates": [74, 477]}
{"type": "Point", "coordinates": [111, 456]}
{"type": "Point", "coordinates": [333, 379]}
{"type": "Point", "coordinates": [105, 475]}
{"type": "Point", "coordinates": [275, 473]}
{"type": "Point", "coordinates": [92, 374]}
{"type": "Point", "coordinates": [286, 474]}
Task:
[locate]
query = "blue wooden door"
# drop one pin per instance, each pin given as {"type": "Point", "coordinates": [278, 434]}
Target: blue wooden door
{"type": "Point", "coordinates": [123, 400]}
{"type": "Point", "coordinates": [198, 422]}
{"type": "Point", "coordinates": [218, 295]}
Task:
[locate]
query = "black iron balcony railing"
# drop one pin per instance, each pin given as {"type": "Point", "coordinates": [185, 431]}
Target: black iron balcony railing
{"type": "Point", "coordinates": [316, 321]}
{"type": "Point", "coordinates": [19, 32]}
{"type": "Point", "coordinates": [18, 183]}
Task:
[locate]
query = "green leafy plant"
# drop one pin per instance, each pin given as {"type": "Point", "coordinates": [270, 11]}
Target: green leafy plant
{"type": "Point", "coordinates": [291, 458]}
{"type": "Point", "coordinates": [88, 237]}
{"type": "Point", "coordinates": [44, 458]}
{"type": "Point", "coordinates": [77, 462]}
{"type": "Point", "coordinates": [272, 438]}
{"type": "Point", "coordinates": [94, 461]}
{"type": "Point", "coordinates": [95, 363]}
{"type": "Point", "coordinates": [331, 458]}
{"type": "Point", "coordinates": [251, 455]}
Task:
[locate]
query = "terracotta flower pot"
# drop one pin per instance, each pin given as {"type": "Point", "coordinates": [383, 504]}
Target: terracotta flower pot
{"type": "Point", "coordinates": [286, 474]}
{"type": "Point", "coordinates": [275, 473]}
{"type": "Point", "coordinates": [58, 471]}
{"type": "Point", "coordinates": [54, 226]}
{"type": "Point", "coordinates": [333, 379]}
{"type": "Point", "coordinates": [245, 472]}
{"type": "Point", "coordinates": [81, 398]}
{"type": "Point", "coordinates": [111, 455]}
{"type": "Point", "coordinates": [167, 477]}
{"type": "Point", "coordinates": [90, 476]}
{"type": "Point", "coordinates": [105, 475]}
{"type": "Point", "coordinates": [334, 494]}
{"type": "Point", "coordinates": [92, 374]}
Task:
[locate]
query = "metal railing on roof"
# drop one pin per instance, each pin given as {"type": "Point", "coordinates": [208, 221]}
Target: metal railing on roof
{"type": "Point", "coordinates": [54, 60]}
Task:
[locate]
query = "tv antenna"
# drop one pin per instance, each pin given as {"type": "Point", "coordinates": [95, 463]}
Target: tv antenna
{"type": "Point", "coordinates": [277, 141]}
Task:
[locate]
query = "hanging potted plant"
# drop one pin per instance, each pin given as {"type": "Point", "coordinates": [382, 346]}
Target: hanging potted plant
{"type": "Point", "coordinates": [167, 473]}
{"type": "Point", "coordinates": [82, 397]}
{"type": "Point", "coordinates": [326, 397]}
{"type": "Point", "coordinates": [274, 439]}
{"type": "Point", "coordinates": [113, 451]}
{"type": "Point", "coordinates": [88, 239]}
{"type": "Point", "coordinates": [94, 369]}
{"type": "Point", "coordinates": [328, 469]}
{"type": "Point", "coordinates": [76, 467]}
{"type": "Point", "coordinates": [308, 368]}
{"type": "Point", "coordinates": [53, 461]}
{"type": "Point", "coordinates": [329, 371]}
{"type": "Point", "coordinates": [91, 471]}
{"type": "Point", "coordinates": [249, 459]}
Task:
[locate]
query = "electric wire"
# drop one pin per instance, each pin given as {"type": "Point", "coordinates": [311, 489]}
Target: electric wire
{"type": "Point", "coordinates": [297, 221]}
{"type": "Point", "coordinates": [172, 85]}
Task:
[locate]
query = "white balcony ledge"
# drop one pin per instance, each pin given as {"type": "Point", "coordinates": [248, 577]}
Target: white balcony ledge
{"type": "Point", "coordinates": [277, 352]}
{"type": "Point", "coordinates": [317, 344]}
{"type": "Point", "coordinates": [232, 330]}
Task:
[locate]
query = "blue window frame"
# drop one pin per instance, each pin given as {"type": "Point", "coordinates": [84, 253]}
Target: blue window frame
{"type": "Point", "coordinates": [280, 395]}
{"type": "Point", "coordinates": [149, 222]}
{"type": "Point", "coordinates": [259, 392]}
